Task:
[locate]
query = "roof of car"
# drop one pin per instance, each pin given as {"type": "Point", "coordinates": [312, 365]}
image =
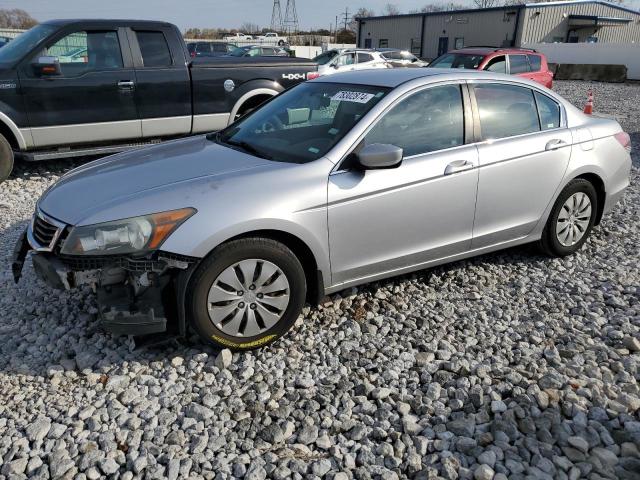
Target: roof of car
{"type": "Point", "coordinates": [397, 76]}
{"type": "Point", "coordinates": [489, 50]}
{"type": "Point", "coordinates": [99, 22]}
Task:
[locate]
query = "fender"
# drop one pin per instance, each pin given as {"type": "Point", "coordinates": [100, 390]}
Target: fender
{"type": "Point", "coordinates": [22, 136]}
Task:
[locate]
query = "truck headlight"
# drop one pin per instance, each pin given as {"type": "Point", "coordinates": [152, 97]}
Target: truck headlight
{"type": "Point", "coordinates": [130, 235]}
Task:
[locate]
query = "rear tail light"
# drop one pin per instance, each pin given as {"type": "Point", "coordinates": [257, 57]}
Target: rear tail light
{"type": "Point", "coordinates": [312, 75]}
{"type": "Point", "coordinates": [624, 139]}
{"type": "Point", "coordinates": [193, 54]}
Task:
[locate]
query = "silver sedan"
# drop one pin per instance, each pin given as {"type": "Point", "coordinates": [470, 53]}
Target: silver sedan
{"type": "Point", "coordinates": [337, 182]}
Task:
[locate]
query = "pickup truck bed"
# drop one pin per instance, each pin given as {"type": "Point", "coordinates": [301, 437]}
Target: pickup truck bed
{"type": "Point", "coordinates": [85, 87]}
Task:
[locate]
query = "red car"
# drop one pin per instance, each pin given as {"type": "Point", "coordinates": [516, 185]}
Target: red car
{"type": "Point", "coordinates": [522, 62]}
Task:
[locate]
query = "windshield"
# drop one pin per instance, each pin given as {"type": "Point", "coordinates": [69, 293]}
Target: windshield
{"type": "Point", "coordinates": [457, 60]}
{"type": "Point", "coordinates": [23, 43]}
{"type": "Point", "coordinates": [325, 57]}
{"type": "Point", "coordinates": [304, 123]}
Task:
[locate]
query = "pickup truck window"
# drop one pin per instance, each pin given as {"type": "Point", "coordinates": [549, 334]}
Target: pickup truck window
{"type": "Point", "coordinates": [154, 49]}
{"type": "Point", "coordinates": [303, 123]}
{"type": "Point", "coordinates": [22, 44]}
{"type": "Point", "coordinates": [81, 52]}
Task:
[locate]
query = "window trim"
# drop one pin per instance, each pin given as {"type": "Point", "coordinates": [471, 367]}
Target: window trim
{"type": "Point", "coordinates": [467, 121]}
{"type": "Point", "coordinates": [476, 112]}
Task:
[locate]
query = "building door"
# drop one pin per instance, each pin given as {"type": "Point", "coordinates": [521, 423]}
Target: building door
{"type": "Point", "coordinates": [443, 45]}
{"type": "Point", "coordinates": [367, 43]}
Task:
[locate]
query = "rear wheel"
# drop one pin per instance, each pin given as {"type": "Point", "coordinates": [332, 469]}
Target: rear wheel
{"type": "Point", "coordinates": [247, 294]}
{"type": "Point", "coordinates": [6, 159]}
{"type": "Point", "coordinates": [571, 219]}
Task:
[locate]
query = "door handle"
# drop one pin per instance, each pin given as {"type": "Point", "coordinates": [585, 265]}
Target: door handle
{"type": "Point", "coordinates": [555, 144]}
{"type": "Point", "coordinates": [458, 166]}
{"type": "Point", "coordinates": [125, 85]}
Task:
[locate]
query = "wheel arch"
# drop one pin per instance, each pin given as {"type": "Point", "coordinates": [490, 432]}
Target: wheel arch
{"type": "Point", "coordinates": [262, 93]}
{"type": "Point", "coordinates": [12, 133]}
{"type": "Point", "coordinates": [313, 274]}
{"type": "Point", "coordinates": [597, 182]}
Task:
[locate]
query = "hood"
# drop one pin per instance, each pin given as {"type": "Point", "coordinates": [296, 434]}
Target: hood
{"type": "Point", "coordinates": [114, 179]}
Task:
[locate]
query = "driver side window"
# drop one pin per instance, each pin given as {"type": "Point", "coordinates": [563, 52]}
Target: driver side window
{"type": "Point", "coordinates": [429, 120]}
{"type": "Point", "coordinates": [86, 51]}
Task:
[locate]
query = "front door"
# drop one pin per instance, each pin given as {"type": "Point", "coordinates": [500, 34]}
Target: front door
{"type": "Point", "coordinates": [345, 62]}
{"type": "Point", "coordinates": [163, 84]}
{"type": "Point", "coordinates": [522, 160]}
{"type": "Point", "coordinates": [91, 101]}
{"type": "Point", "coordinates": [383, 221]}
{"type": "Point", "coordinates": [443, 45]}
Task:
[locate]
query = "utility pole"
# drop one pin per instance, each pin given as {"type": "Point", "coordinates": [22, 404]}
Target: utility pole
{"type": "Point", "coordinates": [336, 28]}
{"type": "Point", "coordinates": [346, 17]}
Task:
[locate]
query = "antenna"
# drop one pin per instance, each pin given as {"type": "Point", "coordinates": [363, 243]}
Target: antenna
{"type": "Point", "coordinates": [291, 17]}
{"type": "Point", "coordinates": [276, 17]}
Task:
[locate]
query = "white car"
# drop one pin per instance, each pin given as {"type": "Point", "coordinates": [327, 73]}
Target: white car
{"type": "Point", "coordinates": [274, 38]}
{"type": "Point", "coordinates": [239, 36]}
{"type": "Point", "coordinates": [333, 61]}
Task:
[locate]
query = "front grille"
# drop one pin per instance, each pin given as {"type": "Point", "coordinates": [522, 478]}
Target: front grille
{"type": "Point", "coordinates": [43, 232]}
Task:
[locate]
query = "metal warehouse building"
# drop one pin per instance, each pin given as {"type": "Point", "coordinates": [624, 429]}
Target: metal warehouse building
{"type": "Point", "coordinates": [431, 34]}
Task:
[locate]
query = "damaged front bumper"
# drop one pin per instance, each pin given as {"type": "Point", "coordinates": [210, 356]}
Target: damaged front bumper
{"type": "Point", "coordinates": [135, 296]}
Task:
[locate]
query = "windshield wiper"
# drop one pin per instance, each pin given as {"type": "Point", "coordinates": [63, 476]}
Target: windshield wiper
{"type": "Point", "coordinates": [248, 148]}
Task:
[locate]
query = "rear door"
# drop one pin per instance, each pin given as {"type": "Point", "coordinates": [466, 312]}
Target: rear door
{"type": "Point", "coordinates": [523, 154]}
{"type": "Point", "coordinates": [345, 62]}
{"type": "Point", "coordinates": [91, 101]}
{"type": "Point", "coordinates": [162, 86]}
{"type": "Point", "coordinates": [364, 61]}
{"type": "Point", "coordinates": [539, 70]}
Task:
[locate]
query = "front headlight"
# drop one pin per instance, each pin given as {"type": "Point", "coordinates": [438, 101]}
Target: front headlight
{"type": "Point", "coordinates": [130, 235]}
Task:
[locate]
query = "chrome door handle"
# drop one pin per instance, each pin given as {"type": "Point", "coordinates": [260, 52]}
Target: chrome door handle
{"type": "Point", "coordinates": [126, 85]}
{"type": "Point", "coordinates": [458, 166]}
{"type": "Point", "coordinates": [555, 144]}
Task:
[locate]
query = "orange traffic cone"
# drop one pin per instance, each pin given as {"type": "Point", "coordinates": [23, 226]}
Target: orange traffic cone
{"type": "Point", "coordinates": [588, 107]}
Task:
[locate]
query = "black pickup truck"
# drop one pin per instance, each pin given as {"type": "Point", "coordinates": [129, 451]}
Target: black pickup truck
{"type": "Point", "coordinates": [90, 87]}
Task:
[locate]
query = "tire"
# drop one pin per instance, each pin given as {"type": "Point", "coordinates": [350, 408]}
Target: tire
{"type": "Point", "coordinates": [281, 43]}
{"type": "Point", "coordinates": [564, 237]}
{"type": "Point", "coordinates": [6, 159]}
{"type": "Point", "coordinates": [228, 319]}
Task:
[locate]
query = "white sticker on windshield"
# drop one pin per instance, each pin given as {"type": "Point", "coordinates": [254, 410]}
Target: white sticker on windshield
{"type": "Point", "coordinates": [357, 97]}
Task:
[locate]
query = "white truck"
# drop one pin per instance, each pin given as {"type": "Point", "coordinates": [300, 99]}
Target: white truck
{"type": "Point", "coordinates": [238, 36]}
{"type": "Point", "coordinates": [273, 38]}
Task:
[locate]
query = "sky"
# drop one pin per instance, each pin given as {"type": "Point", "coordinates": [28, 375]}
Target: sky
{"type": "Point", "coordinates": [225, 14]}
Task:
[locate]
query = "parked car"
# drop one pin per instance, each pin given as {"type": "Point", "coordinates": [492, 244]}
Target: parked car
{"type": "Point", "coordinates": [347, 60]}
{"type": "Point", "coordinates": [133, 82]}
{"type": "Point", "coordinates": [209, 49]}
{"type": "Point", "coordinates": [238, 37]}
{"type": "Point", "coordinates": [336, 182]}
{"type": "Point", "coordinates": [258, 51]}
{"type": "Point", "coordinates": [401, 58]}
{"type": "Point", "coordinates": [522, 62]}
{"type": "Point", "coordinates": [273, 37]}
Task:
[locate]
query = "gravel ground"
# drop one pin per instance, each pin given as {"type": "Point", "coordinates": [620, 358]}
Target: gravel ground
{"type": "Point", "coordinates": [511, 365]}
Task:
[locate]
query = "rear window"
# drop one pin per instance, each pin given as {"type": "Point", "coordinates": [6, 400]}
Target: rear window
{"type": "Point", "coordinates": [457, 60]}
{"type": "Point", "coordinates": [536, 62]}
{"type": "Point", "coordinates": [154, 49]}
{"type": "Point", "coordinates": [518, 64]}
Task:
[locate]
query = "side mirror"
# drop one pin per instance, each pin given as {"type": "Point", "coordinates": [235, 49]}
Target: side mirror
{"type": "Point", "coordinates": [47, 66]}
{"type": "Point", "coordinates": [380, 155]}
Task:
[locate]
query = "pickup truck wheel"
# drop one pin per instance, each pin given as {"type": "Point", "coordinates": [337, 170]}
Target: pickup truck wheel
{"type": "Point", "coordinates": [281, 43]}
{"type": "Point", "coordinates": [246, 294]}
{"type": "Point", "coordinates": [6, 159]}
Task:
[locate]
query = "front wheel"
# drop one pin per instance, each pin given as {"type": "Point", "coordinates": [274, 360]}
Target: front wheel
{"type": "Point", "coordinates": [6, 159]}
{"type": "Point", "coordinates": [571, 219]}
{"type": "Point", "coordinates": [246, 294]}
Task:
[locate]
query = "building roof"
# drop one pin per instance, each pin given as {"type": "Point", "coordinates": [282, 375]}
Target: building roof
{"type": "Point", "coordinates": [505, 7]}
